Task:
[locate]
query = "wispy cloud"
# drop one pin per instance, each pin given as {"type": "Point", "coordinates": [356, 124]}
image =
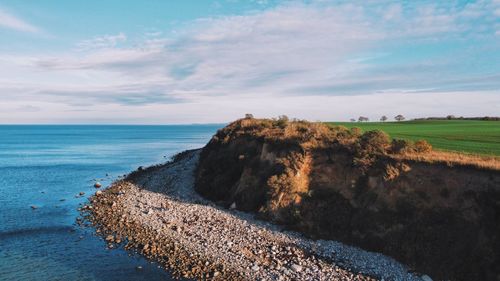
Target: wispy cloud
{"type": "Point", "coordinates": [99, 42]}
{"type": "Point", "coordinates": [323, 55]}
{"type": "Point", "coordinates": [10, 21]}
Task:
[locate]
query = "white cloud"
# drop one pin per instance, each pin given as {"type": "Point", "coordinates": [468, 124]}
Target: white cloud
{"type": "Point", "coordinates": [100, 42]}
{"type": "Point", "coordinates": [309, 61]}
{"type": "Point", "coordinates": [12, 22]}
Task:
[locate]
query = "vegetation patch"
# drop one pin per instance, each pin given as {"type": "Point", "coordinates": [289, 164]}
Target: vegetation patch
{"type": "Point", "coordinates": [468, 136]}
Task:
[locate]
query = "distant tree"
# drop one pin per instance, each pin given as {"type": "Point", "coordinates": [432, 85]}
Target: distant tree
{"type": "Point", "coordinates": [450, 117]}
{"type": "Point", "coordinates": [399, 117]}
{"type": "Point", "coordinates": [283, 118]}
{"type": "Point", "coordinates": [353, 120]}
{"type": "Point", "coordinates": [383, 118]}
{"type": "Point", "coordinates": [363, 119]}
{"type": "Point", "coordinates": [248, 116]}
{"type": "Point", "coordinates": [282, 121]}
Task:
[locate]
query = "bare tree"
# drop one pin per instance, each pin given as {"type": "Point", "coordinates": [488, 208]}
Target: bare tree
{"type": "Point", "coordinates": [353, 120]}
{"type": "Point", "coordinates": [399, 117]}
{"type": "Point", "coordinates": [248, 116]}
{"type": "Point", "coordinates": [383, 118]}
{"type": "Point", "coordinates": [363, 119]}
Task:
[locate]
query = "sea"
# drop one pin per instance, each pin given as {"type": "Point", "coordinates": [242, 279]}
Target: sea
{"type": "Point", "coordinates": [47, 166]}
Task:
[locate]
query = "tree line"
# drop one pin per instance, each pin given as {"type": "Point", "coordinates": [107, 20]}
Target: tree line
{"type": "Point", "coordinates": [384, 118]}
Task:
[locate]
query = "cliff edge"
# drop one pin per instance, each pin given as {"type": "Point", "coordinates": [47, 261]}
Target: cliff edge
{"type": "Point", "coordinates": [438, 217]}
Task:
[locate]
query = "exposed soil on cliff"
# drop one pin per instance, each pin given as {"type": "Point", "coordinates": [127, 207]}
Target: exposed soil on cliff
{"type": "Point", "coordinates": [332, 183]}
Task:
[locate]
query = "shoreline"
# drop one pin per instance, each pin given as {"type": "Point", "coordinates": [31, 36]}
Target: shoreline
{"type": "Point", "coordinates": [156, 212]}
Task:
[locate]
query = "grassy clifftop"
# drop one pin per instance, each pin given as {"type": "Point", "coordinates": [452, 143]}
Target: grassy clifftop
{"type": "Point", "coordinates": [436, 212]}
{"type": "Point", "coordinates": [470, 136]}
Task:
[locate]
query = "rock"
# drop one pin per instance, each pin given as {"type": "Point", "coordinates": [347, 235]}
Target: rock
{"type": "Point", "coordinates": [296, 267]}
{"type": "Point", "coordinates": [110, 238]}
{"type": "Point", "coordinates": [81, 193]}
{"type": "Point", "coordinates": [34, 207]}
{"type": "Point", "coordinates": [98, 193]}
{"type": "Point", "coordinates": [233, 206]}
{"type": "Point", "coordinates": [426, 278]}
{"type": "Point", "coordinates": [138, 267]}
{"type": "Point", "coordinates": [97, 185]}
{"type": "Point", "coordinates": [255, 267]}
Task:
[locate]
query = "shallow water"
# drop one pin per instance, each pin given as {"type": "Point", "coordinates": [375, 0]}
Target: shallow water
{"type": "Point", "coordinates": [47, 166]}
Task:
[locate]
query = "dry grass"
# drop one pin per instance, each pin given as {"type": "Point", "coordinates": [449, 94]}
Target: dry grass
{"type": "Point", "coordinates": [372, 143]}
{"type": "Point", "coordinates": [452, 158]}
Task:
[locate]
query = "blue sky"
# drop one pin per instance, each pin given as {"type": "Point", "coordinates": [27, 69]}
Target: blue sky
{"type": "Point", "coordinates": [212, 61]}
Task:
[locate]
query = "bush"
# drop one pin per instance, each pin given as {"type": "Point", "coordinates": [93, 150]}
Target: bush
{"type": "Point", "coordinates": [369, 147]}
{"type": "Point", "coordinates": [374, 142]}
{"type": "Point", "coordinates": [282, 121]}
{"type": "Point", "coordinates": [422, 146]}
{"type": "Point", "coordinates": [356, 131]}
{"type": "Point", "coordinates": [401, 146]}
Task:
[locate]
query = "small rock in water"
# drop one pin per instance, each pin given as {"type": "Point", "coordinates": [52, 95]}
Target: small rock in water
{"type": "Point", "coordinates": [81, 193]}
{"type": "Point", "coordinates": [233, 206]}
{"type": "Point", "coordinates": [97, 185]}
{"type": "Point", "coordinates": [138, 267]}
{"type": "Point", "coordinates": [34, 207]}
{"type": "Point", "coordinates": [426, 278]}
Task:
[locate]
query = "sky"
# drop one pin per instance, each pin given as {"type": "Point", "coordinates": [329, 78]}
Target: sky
{"type": "Point", "coordinates": [212, 61]}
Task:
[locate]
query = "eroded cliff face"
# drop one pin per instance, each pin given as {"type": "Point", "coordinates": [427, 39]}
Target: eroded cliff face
{"type": "Point", "coordinates": [437, 218]}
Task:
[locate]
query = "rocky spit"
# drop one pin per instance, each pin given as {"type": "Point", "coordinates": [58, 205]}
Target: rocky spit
{"type": "Point", "coordinates": [156, 212]}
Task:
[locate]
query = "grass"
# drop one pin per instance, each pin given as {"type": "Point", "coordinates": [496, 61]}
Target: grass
{"type": "Point", "coordinates": [466, 136]}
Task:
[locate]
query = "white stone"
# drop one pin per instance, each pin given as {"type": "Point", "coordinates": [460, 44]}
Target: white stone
{"type": "Point", "coordinates": [296, 267]}
{"type": "Point", "coordinates": [426, 278]}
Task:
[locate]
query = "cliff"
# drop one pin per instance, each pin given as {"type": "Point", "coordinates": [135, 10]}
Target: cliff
{"type": "Point", "coordinates": [438, 217]}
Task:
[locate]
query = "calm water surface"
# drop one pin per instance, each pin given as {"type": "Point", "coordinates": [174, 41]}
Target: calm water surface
{"type": "Point", "coordinates": [47, 166]}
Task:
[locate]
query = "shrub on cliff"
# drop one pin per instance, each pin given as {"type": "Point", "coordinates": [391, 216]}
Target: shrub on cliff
{"type": "Point", "coordinates": [374, 142]}
{"type": "Point", "coordinates": [422, 146]}
{"type": "Point", "coordinates": [402, 146]}
{"type": "Point", "coordinates": [369, 147]}
{"type": "Point", "coordinates": [282, 121]}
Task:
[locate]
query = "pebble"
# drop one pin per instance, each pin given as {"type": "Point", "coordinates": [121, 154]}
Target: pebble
{"type": "Point", "coordinates": [296, 267]}
{"type": "Point", "coordinates": [97, 185]}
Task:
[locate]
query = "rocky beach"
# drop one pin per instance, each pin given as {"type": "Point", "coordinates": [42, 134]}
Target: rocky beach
{"type": "Point", "coordinates": [157, 212]}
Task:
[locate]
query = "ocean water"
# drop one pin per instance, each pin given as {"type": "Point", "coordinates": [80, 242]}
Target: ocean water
{"type": "Point", "coordinates": [48, 166]}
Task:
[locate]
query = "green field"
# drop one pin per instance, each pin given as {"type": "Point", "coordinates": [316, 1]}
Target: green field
{"type": "Point", "coordinates": [477, 137]}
